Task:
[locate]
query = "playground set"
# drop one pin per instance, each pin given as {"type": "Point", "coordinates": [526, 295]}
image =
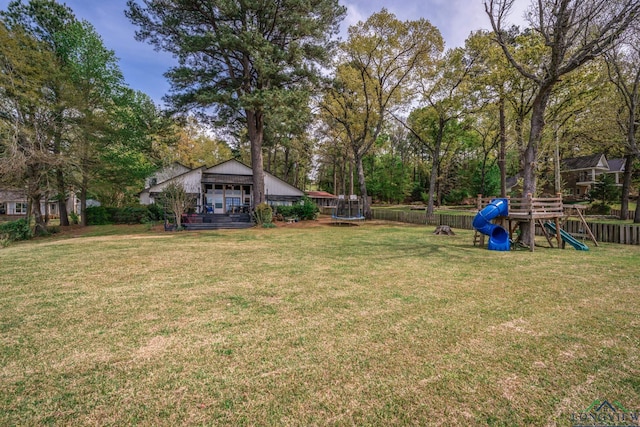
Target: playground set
{"type": "Point", "coordinates": [498, 218]}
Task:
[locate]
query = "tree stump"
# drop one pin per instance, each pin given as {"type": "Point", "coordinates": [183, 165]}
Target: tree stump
{"type": "Point", "coordinates": [444, 229]}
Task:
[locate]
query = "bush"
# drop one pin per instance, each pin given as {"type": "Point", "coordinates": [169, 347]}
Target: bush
{"type": "Point", "coordinates": [101, 215]}
{"type": "Point", "coordinates": [156, 213]}
{"type": "Point", "coordinates": [599, 209]}
{"type": "Point", "coordinates": [306, 210]}
{"type": "Point", "coordinates": [97, 215]}
{"type": "Point", "coordinates": [13, 231]}
{"type": "Point", "coordinates": [286, 211]}
{"type": "Point", "coordinates": [263, 214]}
{"type": "Point", "coordinates": [131, 215]}
{"type": "Point", "coordinates": [455, 197]}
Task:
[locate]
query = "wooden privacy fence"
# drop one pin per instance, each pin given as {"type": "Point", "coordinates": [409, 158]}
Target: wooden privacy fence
{"type": "Point", "coordinates": [616, 213]}
{"type": "Point", "coordinates": [419, 217]}
{"type": "Point", "coordinates": [627, 234]}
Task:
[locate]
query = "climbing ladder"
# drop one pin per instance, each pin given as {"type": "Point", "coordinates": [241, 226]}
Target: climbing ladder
{"type": "Point", "coordinates": [478, 238]}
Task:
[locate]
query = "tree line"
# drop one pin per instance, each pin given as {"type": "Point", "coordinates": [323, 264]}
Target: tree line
{"type": "Point", "coordinates": [387, 112]}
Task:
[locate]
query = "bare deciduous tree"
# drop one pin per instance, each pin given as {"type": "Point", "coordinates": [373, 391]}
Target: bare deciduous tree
{"type": "Point", "coordinates": [176, 201]}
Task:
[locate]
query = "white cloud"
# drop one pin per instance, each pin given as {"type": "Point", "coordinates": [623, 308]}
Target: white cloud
{"type": "Point", "coordinates": [455, 19]}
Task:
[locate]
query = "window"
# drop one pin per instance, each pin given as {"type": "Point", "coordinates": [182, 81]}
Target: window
{"type": "Point", "coordinates": [21, 208]}
{"type": "Point", "coordinates": [232, 203]}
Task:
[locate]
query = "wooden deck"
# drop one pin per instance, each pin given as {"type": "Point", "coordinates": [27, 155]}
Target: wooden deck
{"type": "Point", "coordinates": [216, 221]}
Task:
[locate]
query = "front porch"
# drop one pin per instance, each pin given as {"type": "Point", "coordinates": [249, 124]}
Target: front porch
{"type": "Point", "coordinates": [226, 194]}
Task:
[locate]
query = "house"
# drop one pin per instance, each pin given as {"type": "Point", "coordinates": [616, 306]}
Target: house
{"type": "Point", "coordinates": [168, 172]}
{"type": "Point", "coordinates": [323, 199]}
{"type": "Point", "coordinates": [13, 202]}
{"type": "Point", "coordinates": [225, 188]}
{"type": "Point", "coordinates": [580, 174]}
{"type": "Point", "coordinates": [616, 168]}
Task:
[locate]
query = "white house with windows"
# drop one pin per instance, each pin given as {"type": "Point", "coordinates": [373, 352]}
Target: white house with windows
{"type": "Point", "coordinates": [225, 188]}
{"type": "Point", "coordinates": [13, 202]}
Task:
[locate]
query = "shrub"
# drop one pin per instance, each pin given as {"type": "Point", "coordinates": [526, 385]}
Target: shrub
{"type": "Point", "coordinates": [286, 211]}
{"type": "Point", "coordinates": [599, 209]}
{"type": "Point", "coordinates": [13, 231]}
{"type": "Point", "coordinates": [98, 215]}
{"type": "Point", "coordinates": [75, 219]}
{"type": "Point", "coordinates": [455, 197]}
{"type": "Point", "coordinates": [307, 210]}
{"type": "Point", "coordinates": [263, 214]}
{"type": "Point", "coordinates": [101, 215]}
{"type": "Point", "coordinates": [131, 215]}
{"type": "Point", "coordinates": [156, 213]}
{"type": "Point", "coordinates": [605, 190]}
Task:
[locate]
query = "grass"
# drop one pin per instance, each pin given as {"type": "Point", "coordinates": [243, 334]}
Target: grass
{"type": "Point", "coordinates": [369, 325]}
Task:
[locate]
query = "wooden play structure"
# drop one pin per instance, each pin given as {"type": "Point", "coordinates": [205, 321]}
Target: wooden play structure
{"type": "Point", "coordinates": [547, 213]}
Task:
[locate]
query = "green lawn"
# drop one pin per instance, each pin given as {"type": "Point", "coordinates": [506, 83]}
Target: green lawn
{"type": "Point", "coordinates": [370, 325]}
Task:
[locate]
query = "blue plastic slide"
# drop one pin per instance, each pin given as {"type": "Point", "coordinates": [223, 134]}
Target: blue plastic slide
{"type": "Point", "coordinates": [498, 236]}
{"type": "Point", "coordinates": [568, 238]}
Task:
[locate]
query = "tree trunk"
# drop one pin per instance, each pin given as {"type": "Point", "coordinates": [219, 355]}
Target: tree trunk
{"type": "Point", "coordinates": [626, 186]}
{"type": "Point", "coordinates": [335, 176]}
{"type": "Point", "coordinates": [40, 228]}
{"type": "Point", "coordinates": [351, 183]}
{"type": "Point", "coordinates": [60, 181]}
{"type": "Point", "coordinates": [83, 201]}
{"type": "Point", "coordinates": [366, 209]}
{"type": "Point", "coordinates": [435, 166]}
{"type": "Point", "coordinates": [62, 199]}
{"type": "Point", "coordinates": [255, 127]}
{"type": "Point", "coordinates": [556, 161]}
{"type": "Point", "coordinates": [531, 152]}
{"type": "Point", "coordinates": [286, 167]}
{"type": "Point", "coordinates": [636, 216]}
{"type": "Point", "coordinates": [269, 160]}
{"type": "Point", "coordinates": [519, 128]}
{"type": "Point", "coordinates": [432, 185]}
{"type": "Point", "coordinates": [502, 157]}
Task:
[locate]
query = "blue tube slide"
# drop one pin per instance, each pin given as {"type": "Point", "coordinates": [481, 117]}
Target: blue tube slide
{"type": "Point", "coordinates": [498, 236]}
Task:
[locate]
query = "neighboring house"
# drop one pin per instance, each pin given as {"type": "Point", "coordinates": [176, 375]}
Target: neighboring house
{"type": "Point", "coordinates": [581, 173]}
{"type": "Point", "coordinates": [616, 168]}
{"type": "Point", "coordinates": [322, 198]}
{"type": "Point", "coordinates": [13, 202]}
{"type": "Point", "coordinates": [224, 188]}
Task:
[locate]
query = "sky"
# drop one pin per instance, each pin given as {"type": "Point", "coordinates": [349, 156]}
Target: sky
{"type": "Point", "coordinates": [143, 67]}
